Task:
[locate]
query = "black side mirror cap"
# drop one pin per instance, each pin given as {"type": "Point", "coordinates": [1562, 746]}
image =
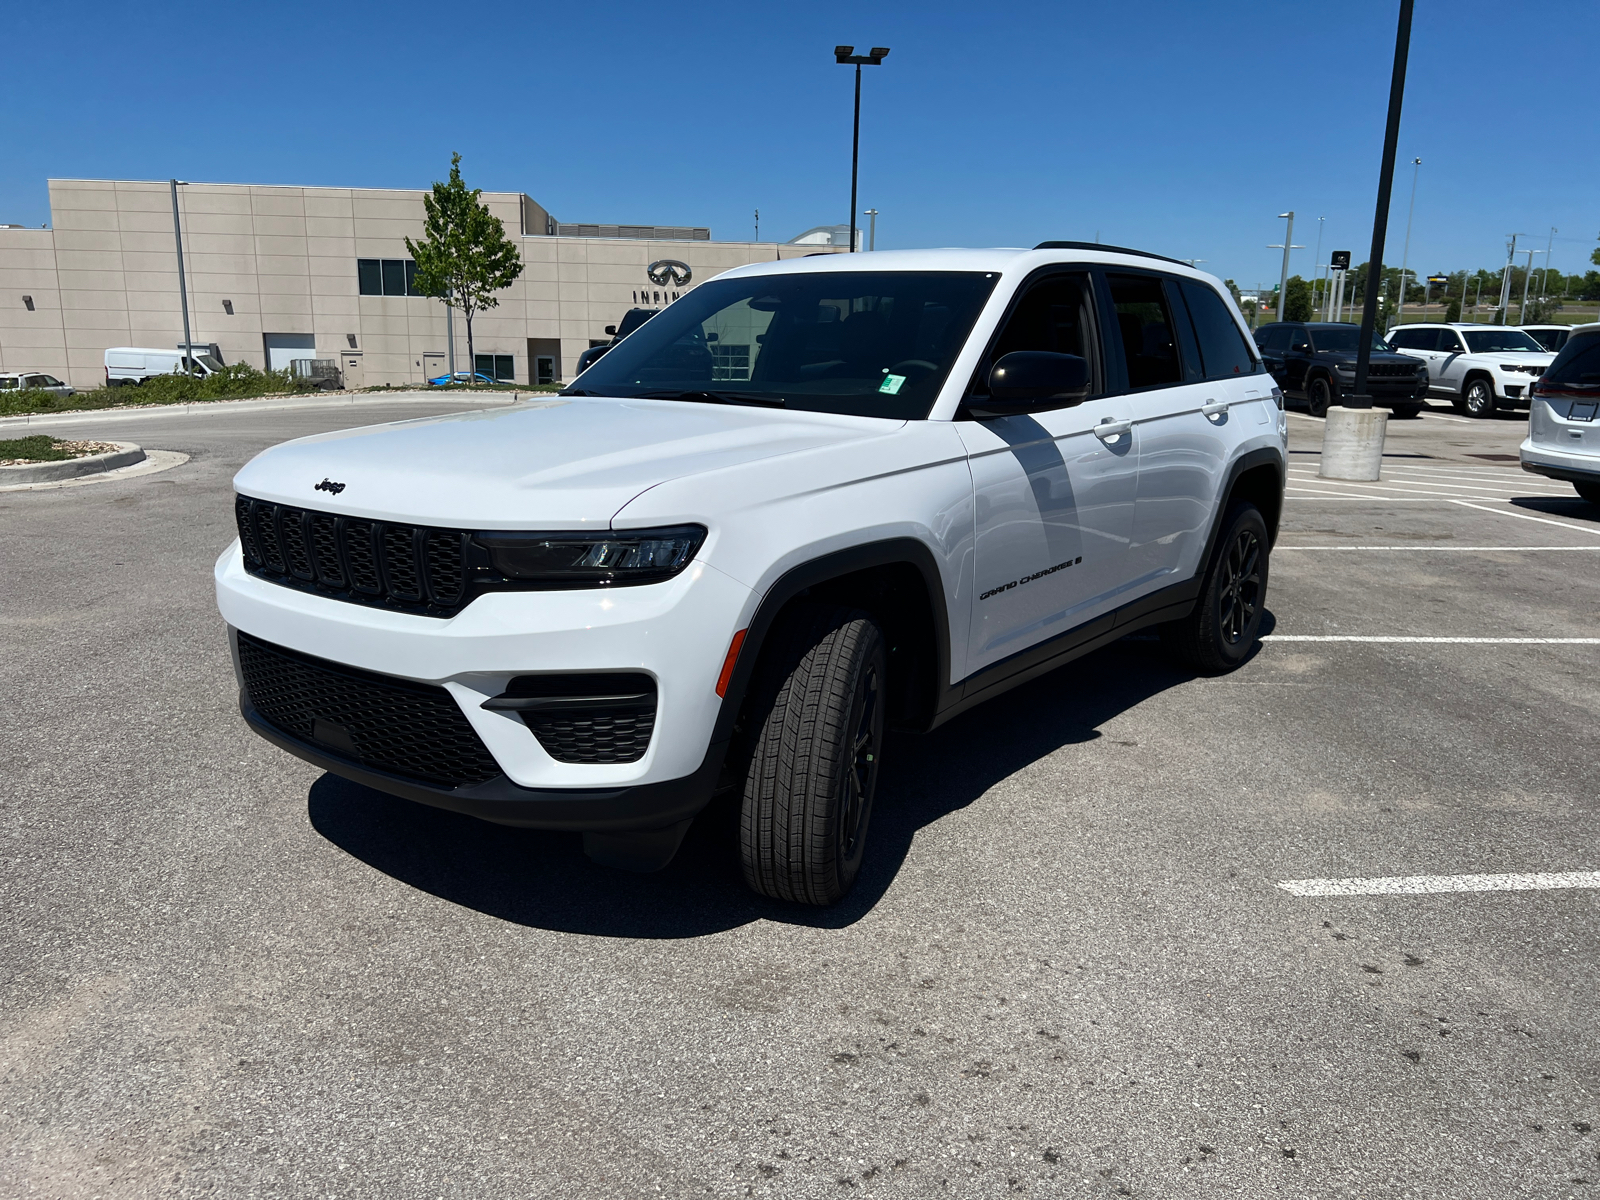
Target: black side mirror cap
{"type": "Point", "coordinates": [611, 330]}
{"type": "Point", "coordinates": [1032, 381]}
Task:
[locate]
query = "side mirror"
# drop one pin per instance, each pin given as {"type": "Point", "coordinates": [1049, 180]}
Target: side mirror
{"type": "Point", "coordinates": [611, 330]}
{"type": "Point", "coordinates": [1032, 381]}
{"type": "Point", "coordinates": [1301, 348]}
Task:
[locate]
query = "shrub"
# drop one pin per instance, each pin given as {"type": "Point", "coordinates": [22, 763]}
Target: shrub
{"type": "Point", "coordinates": [234, 382]}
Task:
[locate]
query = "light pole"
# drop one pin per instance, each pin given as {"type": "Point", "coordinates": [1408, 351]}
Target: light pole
{"type": "Point", "coordinates": [1405, 255]}
{"type": "Point", "coordinates": [1288, 245]}
{"type": "Point", "coordinates": [183, 288]}
{"type": "Point", "coordinates": [872, 229]}
{"type": "Point", "coordinates": [846, 55]}
{"type": "Point", "coordinates": [1544, 271]}
{"type": "Point", "coordinates": [1505, 282]}
{"type": "Point", "coordinates": [1527, 276]}
{"type": "Point", "coordinates": [1316, 265]}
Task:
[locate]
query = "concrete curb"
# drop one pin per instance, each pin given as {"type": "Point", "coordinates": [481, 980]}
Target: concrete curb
{"type": "Point", "coordinates": [486, 400]}
{"type": "Point", "coordinates": [125, 455]}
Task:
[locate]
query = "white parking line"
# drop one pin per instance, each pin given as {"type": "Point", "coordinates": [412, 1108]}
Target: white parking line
{"type": "Point", "coordinates": [1398, 638]}
{"type": "Point", "coordinates": [1427, 487]}
{"type": "Point", "coordinates": [1436, 549]}
{"type": "Point", "coordinates": [1425, 885]}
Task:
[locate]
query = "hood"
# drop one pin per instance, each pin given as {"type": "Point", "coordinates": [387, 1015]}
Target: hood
{"type": "Point", "coordinates": [1532, 358]}
{"type": "Point", "coordinates": [550, 464]}
{"type": "Point", "coordinates": [1349, 356]}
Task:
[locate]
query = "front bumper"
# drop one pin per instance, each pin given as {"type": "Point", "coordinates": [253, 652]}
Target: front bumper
{"type": "Point", "coordinates": [677, 632]}
{"type": "Point", "coordinates": [1389, 389]}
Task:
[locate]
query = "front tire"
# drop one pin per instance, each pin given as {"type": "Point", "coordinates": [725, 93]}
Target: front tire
{"type": "Point", "coordinates": [1406, 412]}
{"type": "Point", "coordinates": [1478, 400]}
{"type": "Point", "coordinates": [1319, 396]}
{"type": "Point", "coordinates": [1222, 630]}
{"type": "Point", "coordinates": [814, 757]}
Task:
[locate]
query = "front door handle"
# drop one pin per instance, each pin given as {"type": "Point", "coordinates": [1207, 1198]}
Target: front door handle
{"type": "Point", "coordinates": [1214, 408]}
{"type": "Point", "coordinates": [1109, 430]}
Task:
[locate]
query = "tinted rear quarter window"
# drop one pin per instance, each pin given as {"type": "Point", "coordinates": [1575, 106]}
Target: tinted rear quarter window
{"type": "Point", "coordinates": [1273, 337]}
{"type": "Point", "coordinates": [1578, 362]}
{"type": "Point", "coordinates": [1223, 350]}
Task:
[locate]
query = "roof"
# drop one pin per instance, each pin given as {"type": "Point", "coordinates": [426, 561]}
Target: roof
{"type": "Point", "coordinates": [1001, 260]}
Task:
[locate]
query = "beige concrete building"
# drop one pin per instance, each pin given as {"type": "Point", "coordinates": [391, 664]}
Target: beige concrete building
{"type": "Point", "coordinates": [280, 273]}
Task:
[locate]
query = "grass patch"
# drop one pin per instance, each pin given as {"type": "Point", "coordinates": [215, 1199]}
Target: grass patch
{"type": "Point", "coordinates": [236, 382]}
{"type": "Point", "coordinates": [38, 448]}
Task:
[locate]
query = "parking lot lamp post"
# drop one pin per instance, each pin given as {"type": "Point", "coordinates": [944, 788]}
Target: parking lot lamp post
{"type": "Point", "coordinates": [1405, 254]}
{"type": "Point", "coordinates": [1283, 279]}
{"type": "Point", "coordinates": [872, 229]}
{"type": "Point", "coordinates": [183, 288]}
{"type": "Point", "coordinates": [1315, 265]}
{"type": "Point", "coordinates": [846, 55]}
{"type": "Point", "coordinates": [1352, 437]}
{"type": "Point", "coordinates": [1505, 281]}
{"type": "Point", "coordinates": [1527, 276]}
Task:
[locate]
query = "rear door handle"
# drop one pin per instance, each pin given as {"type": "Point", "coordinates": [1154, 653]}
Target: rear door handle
{"type": "Point", "coordinates": [1109, 430]}
{"type": "Point", "coordinates": [1214, 408]}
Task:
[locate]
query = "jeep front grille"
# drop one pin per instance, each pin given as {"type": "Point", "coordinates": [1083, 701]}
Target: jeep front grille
{"type": "Point", "coordinates": [415, 730]}
{"type": "Point", "coordinates": [409, 567]}
{"type": "Point", "coordinates": [1391, 368]}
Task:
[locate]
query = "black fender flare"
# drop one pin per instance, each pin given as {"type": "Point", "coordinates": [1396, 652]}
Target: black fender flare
{"type": "Point", "coordinates": [820, 570]}
{"type": "Point", "coordinates": [1263, 456]}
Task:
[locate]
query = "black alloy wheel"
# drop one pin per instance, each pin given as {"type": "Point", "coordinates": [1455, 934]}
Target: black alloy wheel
{"type": "Point", "coordinates": [1479, 400]}
{"type": "Point", "coordinates": [1240, 594]}
{"type": "Point", "coordinates": [1221, 630]}
{"type": "Point", "coordinates": [1320, 396]}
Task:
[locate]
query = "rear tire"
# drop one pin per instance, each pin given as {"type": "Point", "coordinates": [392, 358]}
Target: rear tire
{"type": "Point", "coordinates": [1405, 412]}
{"type": "Point", "coordinates": [1478, 399]}
{"type": "Point", "coordinates": [1222, 630]}
{"type": "Point", "coordinates": [1589, 491]}
{"type": "Point", "coordinates": [1319, 396]}
{"type": "Point", "coordinates": [820, 697]}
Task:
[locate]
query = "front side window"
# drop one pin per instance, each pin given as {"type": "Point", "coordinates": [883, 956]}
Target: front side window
{"type": "Point", "coordinates": [1145, 323]}
{"type": "Point", "coordinates": [1450, 342]}
{"type": "Point", "coordinates": [857, 343]}
{"type": "Point", "coordinates": [1054, 314]}
{"type": "Point", "coordinates": [1223, 351]}
{"type": "Point", "coordinates": [1489, 341]}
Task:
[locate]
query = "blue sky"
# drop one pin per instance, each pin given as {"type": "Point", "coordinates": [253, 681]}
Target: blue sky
{"type": "Point", "coordinates": [1181, 128]}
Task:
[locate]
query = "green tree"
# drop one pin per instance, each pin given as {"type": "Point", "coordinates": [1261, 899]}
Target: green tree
{"type": "Point", "coordinates": [464, 257]}
{"type": "Point", "coordinates": [1297, 300]}
{"type": "Point", "coordinates": [1594, 256]}
{"type": "Point", "coordinates": [1233, 289]}
{"type": "Point", "coordinates": [1453, 312]}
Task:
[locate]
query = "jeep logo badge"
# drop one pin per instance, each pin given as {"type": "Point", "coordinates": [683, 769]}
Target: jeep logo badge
{"type": "Point", "coordinates": [665, 269]}
{"type": "Point", "coordinates": [328, 485]}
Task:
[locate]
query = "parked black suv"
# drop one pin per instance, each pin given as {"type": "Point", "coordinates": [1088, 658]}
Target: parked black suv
{"type": "Point", "coordinates": [631, 320]}
{"type": "Point", "coordinates": [1316, 362]}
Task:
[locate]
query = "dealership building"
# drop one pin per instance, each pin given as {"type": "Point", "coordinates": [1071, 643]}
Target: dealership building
{"type": "Point", "coordinates": [274, 274]}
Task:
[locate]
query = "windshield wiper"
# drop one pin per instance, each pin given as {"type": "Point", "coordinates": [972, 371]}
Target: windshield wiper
{"type": "Point", "coordinates": [715, 398]}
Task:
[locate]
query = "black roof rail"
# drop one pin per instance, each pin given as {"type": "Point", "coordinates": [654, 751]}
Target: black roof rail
{"type": "Point", "coordinates": [1109, 249]}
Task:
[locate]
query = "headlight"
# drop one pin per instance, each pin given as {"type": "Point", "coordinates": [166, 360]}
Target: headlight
{"type": "Point", "coordinates": [1510, 367]}
{"type": "Point", "coordinates": [1346, 367]}
{"type": "Point", "coordinates": [608, 558]}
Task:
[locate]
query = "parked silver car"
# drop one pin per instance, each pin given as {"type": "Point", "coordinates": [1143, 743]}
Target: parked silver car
{"type": "Point", "coordinates": [37, 381]}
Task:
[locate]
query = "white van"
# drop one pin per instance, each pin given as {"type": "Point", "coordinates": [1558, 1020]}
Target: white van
{"type": "Point", "coordinates": [135, 364]}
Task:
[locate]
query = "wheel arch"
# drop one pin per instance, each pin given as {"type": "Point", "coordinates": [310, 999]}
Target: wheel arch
{"type": "Point", "coordinates": [896, 580]}
{"type": "Point", "coordinates": [1258, 476]}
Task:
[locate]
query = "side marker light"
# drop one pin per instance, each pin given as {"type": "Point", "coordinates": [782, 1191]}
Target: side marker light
{"type": "Point", "coordinates": [728, 663]}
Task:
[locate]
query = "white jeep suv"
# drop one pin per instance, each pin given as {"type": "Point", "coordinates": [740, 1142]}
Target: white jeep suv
{"type": "Point", "coordinates": [1479, 368]}
{"type": "Point", "coordinates": [805, 502]}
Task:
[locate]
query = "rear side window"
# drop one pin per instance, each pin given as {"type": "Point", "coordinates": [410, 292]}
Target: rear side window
{"type": "Point", "coordinates": [1578, 362]}
{"type": "Point", "coordinates": [1223, 350]}
{"type": "Point", "coordinates": [1416, 339]}
{"type": "Point", "coordinates": [1273, 337]}
{"type": "Point", "coordinates": [1145, 323]}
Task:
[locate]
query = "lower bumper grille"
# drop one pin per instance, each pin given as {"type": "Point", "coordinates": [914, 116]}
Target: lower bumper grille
{"type": "Point", "coordinates": [585, 718]}
{"type": "Point", "coordinates": [410, 729]}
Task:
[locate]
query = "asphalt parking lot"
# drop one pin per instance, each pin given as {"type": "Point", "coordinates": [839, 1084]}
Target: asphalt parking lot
{"type": "Point", "coordinates": [1070, 969]}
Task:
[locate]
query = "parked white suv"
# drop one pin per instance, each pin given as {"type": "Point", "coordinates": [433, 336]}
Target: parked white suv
{"type": "Point", "coordinates": [1479, 368]}
{"type": "Point", "coordinates": [806, 501]}
{"type": "Point", "coordinates": [36, 381]}
{"type": "Point", "coordinates": [1564, 421]}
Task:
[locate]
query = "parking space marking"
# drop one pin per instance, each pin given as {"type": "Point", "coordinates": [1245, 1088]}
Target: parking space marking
{"type": "Point", "coordinates": [1406, 638]}
{"type": "Point", "coordinates": [1500, 512]}
{"type": "Point", "coordinates": [1427, 885]}
{"type": "Point", "coordinates": [1444, 488]}
{"type": "Point", "coordinates": [1445, 549]}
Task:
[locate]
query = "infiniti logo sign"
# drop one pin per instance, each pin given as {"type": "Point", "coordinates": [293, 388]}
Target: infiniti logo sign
{"type": "Point", "coordinates": [669, 269]}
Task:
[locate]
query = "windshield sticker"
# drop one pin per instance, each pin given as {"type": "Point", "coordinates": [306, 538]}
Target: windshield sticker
{"type": "Point", "coordinates": [891, 384]}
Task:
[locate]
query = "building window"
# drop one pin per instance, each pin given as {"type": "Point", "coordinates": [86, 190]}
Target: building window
{"type": "Point", "coordinates": [387, 276]}
{"type": "Point", "coordinates": [729, 361]}
{"type": "Point", "coordinates": [498, 367]}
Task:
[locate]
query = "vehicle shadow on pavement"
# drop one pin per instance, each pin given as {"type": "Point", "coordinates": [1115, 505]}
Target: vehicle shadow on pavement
{"type": "Point", "coordinates": [1560, 506]}
{"type": "Point", "coordinates": [543, 879]}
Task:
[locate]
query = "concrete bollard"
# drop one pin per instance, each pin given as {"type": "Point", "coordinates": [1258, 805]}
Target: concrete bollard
{"type": "Point", "coordinates": [1352, 443]}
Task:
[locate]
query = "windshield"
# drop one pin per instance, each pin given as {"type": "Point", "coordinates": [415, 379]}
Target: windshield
{"type": "Point", "coordinates": [1487, 341]}
{"type": "Point", "coordinates": [857, 343]}
{"type": "Point", "coordinates": [1346, 338]}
